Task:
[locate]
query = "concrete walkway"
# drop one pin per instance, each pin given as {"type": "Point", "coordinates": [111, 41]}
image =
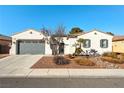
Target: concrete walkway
{"type": "Point", "coordinates": [19, 66]}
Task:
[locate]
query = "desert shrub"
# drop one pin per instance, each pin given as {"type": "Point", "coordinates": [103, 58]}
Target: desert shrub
{"type": "Point", "coordinates": [60, 60]}
{"type": "Point", "coordinates": [122, 56]}
{"type": "Point", "coordinates": [112, 60]}
{"type": "Point", "coordinates": [110, 54]}
{"type": "Point", "coordinates": [84, 61]}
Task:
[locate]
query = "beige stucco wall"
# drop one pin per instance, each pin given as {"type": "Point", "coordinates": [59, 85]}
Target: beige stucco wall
{"type": "Point", "coordinates": [95, 42]}
{"type": "Point", "coordinates": [69, 47]}
{"type": "Point", "coordinates": [35, 35]}
{"type": "Point", "coordinates": [95, 37]}
{"type": "Point", "coordinates": [118, 46]}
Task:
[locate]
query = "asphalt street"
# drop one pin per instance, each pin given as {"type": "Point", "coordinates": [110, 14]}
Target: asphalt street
{"type": "Point", "coordinates": [62, 82]}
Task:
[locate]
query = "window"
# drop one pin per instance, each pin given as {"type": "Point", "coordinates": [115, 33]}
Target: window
{"type": "Point", "coordinates": [104, 43]}
{"type": "Point", "coordinates": [87, 43]}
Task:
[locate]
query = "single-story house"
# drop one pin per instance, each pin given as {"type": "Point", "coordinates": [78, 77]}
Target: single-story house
{"type": "Point", "coordinates": [118, 44]}
{"type": "Point", "coordinates": [5, 43]}
{"type": "Point", "coordinates": [34, 42]}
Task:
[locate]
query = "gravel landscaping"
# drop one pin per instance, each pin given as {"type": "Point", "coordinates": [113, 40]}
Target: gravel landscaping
{"type": "Point", "coordinates": [48, 62]}
{"type": "Point", "coordinates": [106, 64]}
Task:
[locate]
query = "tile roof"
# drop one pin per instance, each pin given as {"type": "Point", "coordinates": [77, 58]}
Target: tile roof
{"type": "Point", "coordinates": [118, 38]}
{"type": "Point", "coordinates": [5, 37]}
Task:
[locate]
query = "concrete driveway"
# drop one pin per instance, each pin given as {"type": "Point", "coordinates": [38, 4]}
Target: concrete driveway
{"type": "Point", "coordinates": [17, 65]}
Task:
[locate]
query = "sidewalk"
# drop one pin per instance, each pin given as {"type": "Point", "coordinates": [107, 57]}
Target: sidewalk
{"type": "Point", "coordinates": [62, 73]}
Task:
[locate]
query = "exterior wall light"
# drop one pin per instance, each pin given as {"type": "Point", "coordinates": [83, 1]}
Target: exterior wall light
{"type": "Point", "coordinates": [95, 33]}
{"type": "Point", "coordinates": [30, 32]}
{"type": "Point", "coordinates": [14, 42]}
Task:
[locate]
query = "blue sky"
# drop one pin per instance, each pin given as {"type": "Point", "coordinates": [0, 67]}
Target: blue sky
{"type": "Point", "coordinates": [105, 18]}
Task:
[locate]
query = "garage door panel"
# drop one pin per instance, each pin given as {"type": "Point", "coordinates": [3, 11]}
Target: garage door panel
{"type": "Point", "coordinates": [31, 47]}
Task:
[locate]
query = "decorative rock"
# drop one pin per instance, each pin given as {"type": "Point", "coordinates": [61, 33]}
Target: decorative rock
{"type": "Point", "coordinates": [105, 64]}
{"type": "Point", "coordinates": [116, 66]}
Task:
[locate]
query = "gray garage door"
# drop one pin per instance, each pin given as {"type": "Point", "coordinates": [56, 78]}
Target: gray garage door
{"type": "Point", "coordinates": [31, 47]}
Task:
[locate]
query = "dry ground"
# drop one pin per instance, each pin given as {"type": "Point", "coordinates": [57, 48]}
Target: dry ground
{"type": "Point", "coordinates": [48, 62]}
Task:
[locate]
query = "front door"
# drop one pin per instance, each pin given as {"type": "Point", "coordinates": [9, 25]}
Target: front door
{"type": "Point", "coordinates": [61, 48]}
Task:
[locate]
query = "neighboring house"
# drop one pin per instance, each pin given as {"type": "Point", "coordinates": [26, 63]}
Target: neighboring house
{"type": "Point", "coordinates": [118, 44]}
{"type": "Point", "coordinates": [34, 42]}
{"type": "Point", "coordinates": [5, 43]}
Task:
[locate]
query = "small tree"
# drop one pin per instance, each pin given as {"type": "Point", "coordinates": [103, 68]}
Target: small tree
{"type": "Point", "coordinates": [56, 39]}
{"type": "Point", "coordinates": [58, 36]}
{"type": "Point", "coordinates": [77, 45]}
{"type": "Point", "coordinates": [53, 45]}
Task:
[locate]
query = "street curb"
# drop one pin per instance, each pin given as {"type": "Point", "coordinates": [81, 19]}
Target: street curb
{"type": "Point", "coordinates": [66, 73]}
{"type": "Point", "coordinates": [56, 76]}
